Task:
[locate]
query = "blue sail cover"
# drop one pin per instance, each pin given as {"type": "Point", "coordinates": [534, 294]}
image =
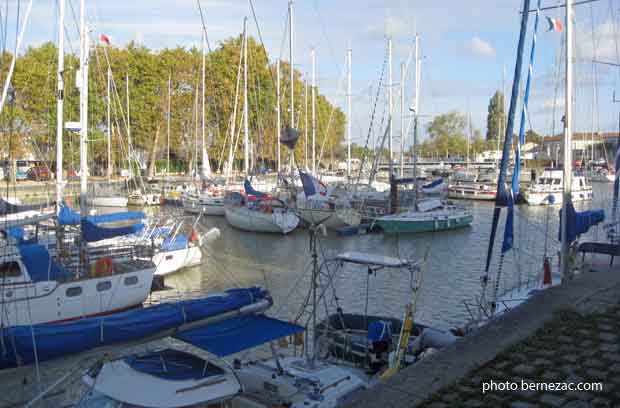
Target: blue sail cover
{"type": "Point", "coordinates": [41, 267]}
{"type": "Point", "coordinates": [380, 330]}
{"type": "Point", "coordinates": [311, 185]}
{"type": "Point", "coordinates": [433, 183]}
{"type": "Point", "coordinates": [68, 216]}
{"type": "Point", "coordinates": [580, 222]}
{"type": "Point", "coordinates": [176, 243]}
{"type": "Point", "coordinates": [91, 232]}
{"type": "Point", "coordinates": [249, 190]}
{"type": "Point", "coordinates": [237, 334]}
{"type": "Point", "coordinates": [55, 340]}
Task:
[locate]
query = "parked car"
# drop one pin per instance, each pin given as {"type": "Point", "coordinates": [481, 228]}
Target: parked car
{"type": "Point", "coordinates": [21, 174]}
{"type": "Point", "coordinates": [39, 173]}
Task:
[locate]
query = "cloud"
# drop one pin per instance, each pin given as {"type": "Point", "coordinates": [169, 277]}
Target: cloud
{"type": "Point", "coordinates": [481, 48]}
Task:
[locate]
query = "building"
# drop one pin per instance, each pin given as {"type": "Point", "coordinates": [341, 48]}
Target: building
{"type": "Point", "coordinates": [586, 146]}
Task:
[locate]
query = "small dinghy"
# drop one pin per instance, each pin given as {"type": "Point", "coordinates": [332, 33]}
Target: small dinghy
{"type": "Point", "coordinates": [167, 378]}
{"type": "Point", "coordinates": [434, 187]}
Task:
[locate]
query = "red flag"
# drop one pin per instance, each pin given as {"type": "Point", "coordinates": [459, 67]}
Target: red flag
{"type": "Point", "coordinates": [104, 38]}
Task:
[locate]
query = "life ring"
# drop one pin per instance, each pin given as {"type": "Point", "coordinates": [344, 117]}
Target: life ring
{"type": "Point", "coordinates": [104, 266]}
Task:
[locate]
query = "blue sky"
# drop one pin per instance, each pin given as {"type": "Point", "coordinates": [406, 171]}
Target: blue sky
{"type": "Point", "coordinates": [465, 45]}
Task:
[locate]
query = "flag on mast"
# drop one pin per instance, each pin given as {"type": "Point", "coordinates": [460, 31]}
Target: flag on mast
{"type": "Point", "coordinates": [105, 39]}
{"type": "Point", "coordinates": [554, 25]}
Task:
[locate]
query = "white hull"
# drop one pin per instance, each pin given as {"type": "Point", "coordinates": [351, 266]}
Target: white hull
{"type": "Point", "coordinates": [50, 301]}
{"type": "Point", "coordinates": [144, 199]}
{"type": "Point", "coordinates": [214, 206]}
{"type": "Point", "coordinates": [472, 192]}
{"type": "Point", "coordinates": [255, 221]}
{"type": "Point", "coordinates": [111, 201]}
{"type": "Point", "coordinates": [542, 198]}
{"type": "Point", "coordinates": [167, 262]}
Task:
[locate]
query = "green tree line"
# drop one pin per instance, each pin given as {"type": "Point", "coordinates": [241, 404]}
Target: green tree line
{"type": "Point", "coordinates": [29, 122]}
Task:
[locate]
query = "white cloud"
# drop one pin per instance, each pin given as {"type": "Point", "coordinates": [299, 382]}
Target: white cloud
{"type": "Point", "coordinates": [481, 48]}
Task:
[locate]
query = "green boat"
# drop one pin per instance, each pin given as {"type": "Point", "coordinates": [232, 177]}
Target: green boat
{"type": "Point", "coordinates": [432, 215]}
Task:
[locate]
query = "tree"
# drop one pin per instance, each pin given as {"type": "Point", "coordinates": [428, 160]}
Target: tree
{"type": "Point", "coordinates": [496, 117]}
{"type": "Point", "coordinates": [532, 137]}
{"type": "Point", "coordinates": [447, 132]}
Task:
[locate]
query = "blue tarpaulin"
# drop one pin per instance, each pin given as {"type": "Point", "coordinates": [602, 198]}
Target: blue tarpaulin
{"type": "Point", "coordinates": [380, 330]}
{"type": "Point", "coordinates": [179, 242]}
{"type": "Point", "coordinates": [580, 222]}
{"type": "Point", "coordinates": [68, 216]}
{"type": "Point", "coordinates": [40, 266]}
{"type": "Point", "coordinates": [237, 334]}
{"type": "Point", "coordinates": [91, 232]}
{"type": "Point", "coordinates": [55, 340]}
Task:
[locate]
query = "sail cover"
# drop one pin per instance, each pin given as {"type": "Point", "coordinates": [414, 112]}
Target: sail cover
{"type": "Point", "coordinates": [91, 232]}
{"type": "Point", "coordinates": [249, 190]}
{"type": "Point", "coordinates": [41, 267]}
{"type": "Point", "coordinates": [68, 216]}
{"type": "Point", "coordinates": [580, 222]}
{"type": "Point", "coordinates": [237, 334]}
{"type": "Point", "coordinates": [55, 340]}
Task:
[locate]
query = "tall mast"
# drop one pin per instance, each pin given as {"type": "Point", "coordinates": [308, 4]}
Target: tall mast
{"type": "Point", "coordinates": [168, 126]}
{"type": "Point", "coordinates": [349, 110]}
{"type": "Point", "coordinates": [60, 103]}
{"type": "Point", "coordinates": [390, 106]}
{"type": "Point", "coordinates": [246, 136]}
{"type": "Point", "coordinates": [306, 122]}
{"type": "Point", "coordinates": [109, 126]}
{"type": "Point", "coordinates": [278, 110]}
{"type": "Point", "coordinates": [195, 169]}
{"type": "Point", "coordinates": [129, 149]}
{"type": "Point", "coordinates": [568, 147]}
{"type": "Point", "coordinates": [402, 119]}
{"type": "Point", "coordinates": [313, 60]}
{"type": "Point", "coordinates": [416, 113]}
{"type": "Point", "coordinates": [291, 70]}
{"type": "Point", "coordinates": [83, 110]}
{"type": "Point", "coordinates": [206, 167]}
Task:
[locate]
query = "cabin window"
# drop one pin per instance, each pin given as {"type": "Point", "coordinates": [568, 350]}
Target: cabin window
{"type": "Point", "coordinates": [131, 280]}
{"type": "Point", "coordinates": [557, 181]}
{"type": "Point", "coordinates": [580, 183]}
{"type": "Point", "coordinates": [74, 291]}
{"type": "Point", "coordinates": [103, 286]}
{"type": "Point", "coordinates": [10, 270]}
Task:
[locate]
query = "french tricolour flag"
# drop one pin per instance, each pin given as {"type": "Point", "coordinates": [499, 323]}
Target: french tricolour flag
{"type": "Point", "coordinates": [105, 39]}
{"type": "Point", "coordinates": [554, 25]}
{"type": "Point", "coordinates": [311, 185]}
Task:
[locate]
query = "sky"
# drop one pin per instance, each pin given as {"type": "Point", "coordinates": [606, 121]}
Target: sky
{"type": "Point", "coordinates": [468, 49]}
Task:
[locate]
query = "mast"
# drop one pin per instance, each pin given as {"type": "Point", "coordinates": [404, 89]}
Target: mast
{"type": "Point", "coordinates": [568, 147]}
{"type": "Point", "coordinates": [168, 126]}
{"type": "Point", "coordinates": [390, 107]}
{"type": "Point", "coordinates": [129, 149]}
{"type": "Point", "coordinates": [83, 111]}
{"type": "Point", "coordinates": [416, 108]}
{"type": "Point", "coordinates": [313, 60]}
{"type": "Point", "coordinates": [109, 126]}
{"type": "Point", "coordinates": [246, 136]}
{"type": "Point", "coordinates": [306, 122]}
{"type": "Point", "coordinates": [349, 117]}
{"type": "Point", "coordinates": [278, 118]}
{"type": "Point", "coordinates": [195, 169]}
{"type": "Point", "coordinates": [206, 167]}
{"type": "Point", "coordinates": [60, 103]}
{"type": "Point", "coordinates": [402, 119]}
{"type": "Point", "coordinates": [291, 79]}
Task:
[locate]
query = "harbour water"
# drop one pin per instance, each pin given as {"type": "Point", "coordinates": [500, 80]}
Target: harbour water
{"type": "Point", "coordinates": [456, 263]}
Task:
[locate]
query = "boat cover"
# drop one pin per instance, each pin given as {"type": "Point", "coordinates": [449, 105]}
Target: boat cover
{"type": "Point", "coordinates": [237, 334]}
{"type": "Point", "coordinates": [68, 216]}
{"type": "Point", "coordinates": [580, 222]}
{"type": "Point", "coordinates": [176, 243]}
{"type": "Point", "coordinates": [311, 185]}
{"type": "Point", "coordinates": [55, 340]}
{"type": "Point", "coordinates": [172, 364]}
{"type": "Point", "coordinates": [372, 259]}
{"type": "Point", "coordinates": [249, 190]}
{"type": "Point", "coordinates": [9, 208]}
{"type": "Point", "coordinates": [41, 267]}
{"type": "Point", "coordinates": [91, 232]}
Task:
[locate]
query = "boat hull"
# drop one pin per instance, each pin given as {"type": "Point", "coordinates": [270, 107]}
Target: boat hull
{"type": "Point", "coordinates": [395, 225]}
{"type": "Point", "coordinates": [249, 220]}
{"type": "Point", "coordinates": [167, 262]}
{"type": "Point", "coordinates": [472, 193]}
{"type": "Point", "coordinates": [207, 207]}
{"type": "Point", "coordinates": [542, 198]}
{"type": "Point", "coordinates": [112, 201]}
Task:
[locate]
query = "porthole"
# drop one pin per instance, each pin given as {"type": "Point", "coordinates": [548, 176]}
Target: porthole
{"type": "Point", "coordinates": [131, 280]}
{"type": "Point", "coordinates": [74, 291]}
{"type": "Point", "coordinates": [103, 286]}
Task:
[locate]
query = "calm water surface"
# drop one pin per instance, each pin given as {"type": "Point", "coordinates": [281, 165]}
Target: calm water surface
{"type": "Point", "coordinates": [456, 263]}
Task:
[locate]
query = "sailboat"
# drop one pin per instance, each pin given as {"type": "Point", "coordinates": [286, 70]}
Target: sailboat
{"type": "Point", "coordinates": [36, 288]}
{"type": "Point", "coordinates": [426, 215]}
